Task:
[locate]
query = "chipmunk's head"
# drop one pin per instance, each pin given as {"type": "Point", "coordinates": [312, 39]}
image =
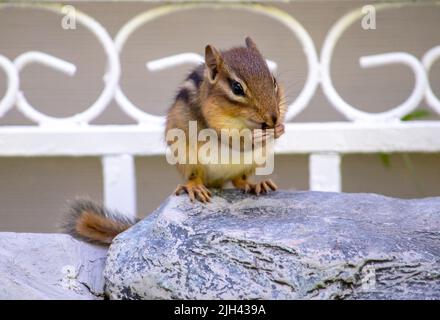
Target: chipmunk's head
{"type": "Point", "coordinates": [241, 91]}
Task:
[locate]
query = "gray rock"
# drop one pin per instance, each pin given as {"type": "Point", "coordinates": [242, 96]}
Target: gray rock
{"type": "Point", "coordinates": [49, 266]}
{"type": "Point", "coordinates": [285, 245]}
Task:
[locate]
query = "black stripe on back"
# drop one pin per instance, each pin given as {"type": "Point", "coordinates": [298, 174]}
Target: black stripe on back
{"type": "Point", "coordinates": [183, 95]}
{"type": "Point", "coordinates": [196, 78]}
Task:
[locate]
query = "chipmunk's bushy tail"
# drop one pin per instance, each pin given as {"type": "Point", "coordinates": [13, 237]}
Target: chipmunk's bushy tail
{"type": "Point", "coordinates": [93, 223]}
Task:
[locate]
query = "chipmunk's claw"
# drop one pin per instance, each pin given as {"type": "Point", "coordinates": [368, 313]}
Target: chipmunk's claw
{"type": "Point", "coordinates": [246, 188]}
{"type": "Point", "coordinates": [258, 188]}
{"type": "Point", "coordinates": [264, 187]}
{"type": "Point", "coordinates": [194, 191]}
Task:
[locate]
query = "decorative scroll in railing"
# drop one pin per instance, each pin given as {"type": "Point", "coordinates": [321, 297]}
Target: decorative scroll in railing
{"type": "Point", "coordinates": [367, 132]}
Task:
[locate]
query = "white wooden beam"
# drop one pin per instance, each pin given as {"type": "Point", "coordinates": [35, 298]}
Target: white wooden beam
{"type": "Point", "coordinates": [120, 183]}
{"type": "Point", "coordinates": [143, 140]}
{"type": "Point", "coordinates": [325, 172]}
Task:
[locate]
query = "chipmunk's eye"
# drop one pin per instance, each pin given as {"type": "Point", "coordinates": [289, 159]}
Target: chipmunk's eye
{"type": "Point", "coordinates": [275, 84]}
{"type": "Point", "coordinates": [237, 89]}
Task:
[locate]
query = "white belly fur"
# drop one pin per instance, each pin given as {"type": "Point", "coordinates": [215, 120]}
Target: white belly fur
{"type": "Point", "coordinates": [215, 172]}
{"type": "Point", "coordinates": [225, 172]}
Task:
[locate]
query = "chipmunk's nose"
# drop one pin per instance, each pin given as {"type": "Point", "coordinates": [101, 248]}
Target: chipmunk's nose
{"type": "Point", "coordinates": [271, 121]}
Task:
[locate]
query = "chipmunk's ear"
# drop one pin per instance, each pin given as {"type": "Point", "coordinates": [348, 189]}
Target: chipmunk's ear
{"type": "Point", "coordinates": [213, 61]}
{"type": "Point", "coordinates": [251, 44]}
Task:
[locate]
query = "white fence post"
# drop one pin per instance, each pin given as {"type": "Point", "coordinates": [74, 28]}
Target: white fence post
{"type": "Point", "coordinates": [325, 172]}
{"type": "Point", "coordinates": [120, 183]}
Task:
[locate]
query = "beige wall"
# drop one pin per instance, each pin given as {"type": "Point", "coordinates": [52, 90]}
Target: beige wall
{"type": "Point", "coordinates": [34, 192]}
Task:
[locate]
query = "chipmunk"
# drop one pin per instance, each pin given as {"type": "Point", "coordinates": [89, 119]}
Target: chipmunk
{"type": "Point", "coordinates": [234, 89]}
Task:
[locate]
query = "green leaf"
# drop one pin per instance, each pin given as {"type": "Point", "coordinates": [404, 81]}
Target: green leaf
{"type": "Point", "coordinates": [417, 114]}
{"type": "Point", "coordinates": [385, 159]}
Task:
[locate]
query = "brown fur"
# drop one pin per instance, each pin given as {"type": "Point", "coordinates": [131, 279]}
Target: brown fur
{"type": "Point", "coordinates": [205, 97]}
{"type": "Point", "coordinates": [212, 104]}
{"type": "Point", "coordinates": [93, 223]}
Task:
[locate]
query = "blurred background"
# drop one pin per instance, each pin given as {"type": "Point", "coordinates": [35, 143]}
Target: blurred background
{"type": "Point", "coordinates": [34, 191]}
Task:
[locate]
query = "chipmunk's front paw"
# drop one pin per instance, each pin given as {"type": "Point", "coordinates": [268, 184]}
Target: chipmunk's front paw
{"type": "Point", "coordinates": [279, 130]}
{"type": "Point", "coordinates": [263, 187]}
{"type": "Point", "coordinates": [257, 188]}
{"type": "Point", "coordinates": [195, 191]}
{"type": "Point", "coordinates": [261, 136]}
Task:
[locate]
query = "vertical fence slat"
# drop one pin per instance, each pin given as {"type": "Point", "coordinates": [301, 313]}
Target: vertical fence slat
{"type": "Point", "coordinates": [120, 183]}
{"type": "Point", "coordinates": [325, 172]}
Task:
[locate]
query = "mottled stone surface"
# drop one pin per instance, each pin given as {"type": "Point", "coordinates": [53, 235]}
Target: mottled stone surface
{"type": "Point", "coordinates": [49, 266]}
{"type": "Point", "coordinates": [285, 245]}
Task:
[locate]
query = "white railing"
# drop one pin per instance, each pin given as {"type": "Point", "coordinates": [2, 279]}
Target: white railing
{"type": "Point", "coordinates": [118, 144]}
